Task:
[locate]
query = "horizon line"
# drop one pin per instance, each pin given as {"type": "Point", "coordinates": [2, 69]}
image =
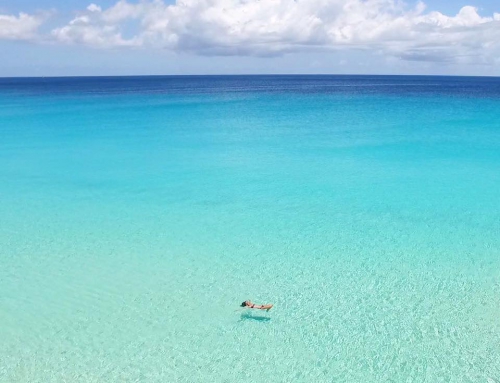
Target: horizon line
{"type": "Point", "coordinates": [250, 75]}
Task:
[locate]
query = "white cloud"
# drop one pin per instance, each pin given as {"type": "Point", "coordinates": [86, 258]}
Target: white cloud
{"type": "Point", "coordinates": [22, 27]}
{"type": "Point", "coordinates": [275, 27]}
{"type": "Point", "coordinates": [94, 8]}
{"type": "Point", "coordinates": [98, 28]}
{"type": "Point", "coordinates": [272, 27]}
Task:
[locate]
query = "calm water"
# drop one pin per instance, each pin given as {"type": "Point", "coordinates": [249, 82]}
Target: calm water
{"type": "Point", "coordinates": [137, 213]}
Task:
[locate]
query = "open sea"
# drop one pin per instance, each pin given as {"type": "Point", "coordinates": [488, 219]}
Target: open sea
{"type": "Point", "coordinates": [137, 213]}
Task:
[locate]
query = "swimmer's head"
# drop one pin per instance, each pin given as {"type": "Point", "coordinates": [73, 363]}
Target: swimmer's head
{"type": "Point", "coordinates": [244, 304]}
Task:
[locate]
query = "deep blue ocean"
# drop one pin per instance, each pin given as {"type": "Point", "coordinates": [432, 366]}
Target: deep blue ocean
{"type": "Point", "coordinates": [137, 213]}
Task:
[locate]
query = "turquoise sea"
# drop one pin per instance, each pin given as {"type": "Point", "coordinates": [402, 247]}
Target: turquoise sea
{"type": "Point", "coordinates": [137, 213]}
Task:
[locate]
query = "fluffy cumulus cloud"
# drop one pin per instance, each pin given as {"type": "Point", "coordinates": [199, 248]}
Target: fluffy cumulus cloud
{"type": "Point", "coordinates": [22, 27]}
{"type": "Point", "coordinates": [274, 27]}
{"type": "Point", "coordinates": [97, 28]}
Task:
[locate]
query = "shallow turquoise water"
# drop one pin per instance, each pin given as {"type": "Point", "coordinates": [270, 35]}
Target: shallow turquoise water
{"type": "Point", "coordinates": [137, 213]}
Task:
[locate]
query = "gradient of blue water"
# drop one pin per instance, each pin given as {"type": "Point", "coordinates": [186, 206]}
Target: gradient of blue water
{"type": "Point", "coordinates": [138, 212]}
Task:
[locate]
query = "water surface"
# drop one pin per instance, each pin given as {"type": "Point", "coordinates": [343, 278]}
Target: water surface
{"type": "Point", "coordinates": [138, 212]}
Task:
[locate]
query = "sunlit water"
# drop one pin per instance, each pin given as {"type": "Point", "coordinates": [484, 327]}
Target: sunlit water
{"type": "Point", "coordinates": [137, 213]}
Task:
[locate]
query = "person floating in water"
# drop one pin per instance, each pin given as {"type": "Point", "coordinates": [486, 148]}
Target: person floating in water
{"type": "Point", "coordinates": [251, 305]}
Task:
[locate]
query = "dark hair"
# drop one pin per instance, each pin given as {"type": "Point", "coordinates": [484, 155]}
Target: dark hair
{"type": "Point", "coordinates": [244, 304]}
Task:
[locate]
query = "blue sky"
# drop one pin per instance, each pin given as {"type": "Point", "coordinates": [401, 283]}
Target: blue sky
{"type": "Point", "coordinates": [68, 6]}
{"type": "Point", "coordinates": [106, 37]}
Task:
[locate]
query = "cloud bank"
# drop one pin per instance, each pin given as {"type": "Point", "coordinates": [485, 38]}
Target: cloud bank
{"type": "Point", "coordinates": [22, 27]}
{"type": "Point", "coordinates": [276, 27]}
